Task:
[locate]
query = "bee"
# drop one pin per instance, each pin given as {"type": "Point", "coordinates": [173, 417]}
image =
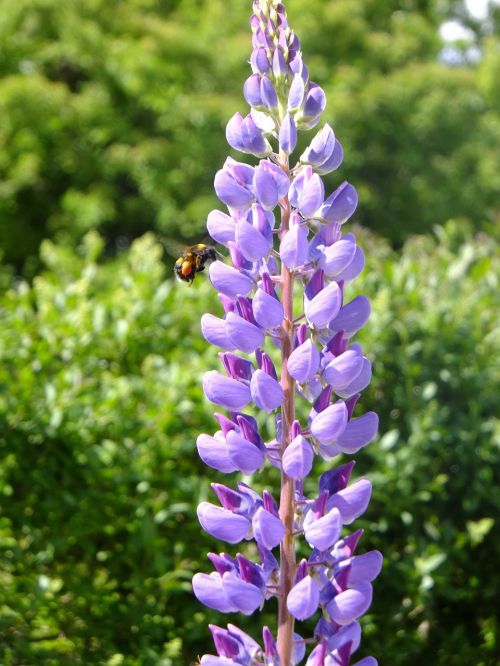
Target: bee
{"type": "Point", "coordinates": [194, 260]}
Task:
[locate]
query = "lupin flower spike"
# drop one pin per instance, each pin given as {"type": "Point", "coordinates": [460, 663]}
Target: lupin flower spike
{"type": "Point", "coordinates": [318, 363]}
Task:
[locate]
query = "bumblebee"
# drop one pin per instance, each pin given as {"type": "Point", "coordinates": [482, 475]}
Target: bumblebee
{"type": "Point", "coordinates": [193, 261]}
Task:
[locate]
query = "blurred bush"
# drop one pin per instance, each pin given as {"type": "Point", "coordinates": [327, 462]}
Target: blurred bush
{"type": "Point", "coordinates": [100, 406]}
{"type": "Point", "coordinates": [113, 114]}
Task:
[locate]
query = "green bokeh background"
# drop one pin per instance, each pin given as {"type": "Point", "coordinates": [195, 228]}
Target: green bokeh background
{"type": "Point", "coordinates": [112, 117]}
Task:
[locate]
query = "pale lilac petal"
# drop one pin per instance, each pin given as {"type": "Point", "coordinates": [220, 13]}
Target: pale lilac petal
{"type": "Point", "coordinates": [222, 524]}
{"type": "Point", "coordinates": [233, 132]}
{"type": "Point", "coordinates": [266, 391]}
{"type": "Point", "coordinates": [344, 369]}
{"type": "Point", "coordinates": [303, 599]}
{"type": "Point", "coordinates": [268, 529]}
{"type": "Point", "coordinates": [324, 306]}
{"type": "Point", "coordinates": [251, 243]}
{"type": "Point", "coordinates": [225, 391]}
{"type": "Point", "coordinates": [367, 661]}
{"type": "Point", "coordinates": [288, 134]}
{"type": "Point", "coordinates": [350, 633]}
{"type": "Point", "coordinates": [352, 501]}
{"type": "Point", "coordinates": [365, 567]}
{"type": "Point", "coordinates": [352, 316]}
{"type": "Point", "coordinates": [312, 195]}
{"type": "Point", "coordinates": [266, 188]}
{"type": "Point", "coordinates": [350, 604]}
{"type": "Point", "coordinates": [208, 589]}
{"type": "Point", "coordinates": [251, 90]}
{"type": "Point", "coordinates": [294, 248]}
{"type": "Point", "coordinates": [323, 532]}
{"type": "Point", "coordinates": [337, 257]}
{"type": "Point", "coordinates": [303, 362]}
{"type": "Point", "coordinates": [298, 458]}
{"type": "Point", "coordinates": [213, 452]}
{"type": "Point", "coordinates": [214, 331]}
{"type": "Point", "coordinates": [296, 94]}
{"type": "Point", "coordinates": [211, 660]}
{"type": "Point", "coordinates": [229, 280]}
{"type": "Point", "coordinates": [230, 192]}
{"type": "Point", "coordinates": [221, 227]}
{"type": "Point", "coordinates": [267, 310]}
{"type": "Point", "coordinates": [330, 423]}
{"type": "Point", "coordinates": [358, 433]}
{"type": "Point", "coordinates": [334, 161]}
{"type": "Point", "coordinates": [360, 383]}
{"type": "Point", "coordinates": [321, 147]}
{"type": "Point", "coordinates": [243, 334]}
{"type": "Point", "coordinates": [340, 205]}
{"type": "Point", "coordinates": [246, 456]}
{"type": "Point", "coordinates": [355, 267]}
{"type": "Point", "coordinates": [242, 595]}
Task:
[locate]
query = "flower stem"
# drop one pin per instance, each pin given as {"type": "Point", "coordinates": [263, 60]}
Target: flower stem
{"type": "Point", "coordinates": [287, 496]}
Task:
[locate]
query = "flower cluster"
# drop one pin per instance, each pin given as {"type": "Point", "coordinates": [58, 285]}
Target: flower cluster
{"type": "Point", "coordinates": [273, 260]}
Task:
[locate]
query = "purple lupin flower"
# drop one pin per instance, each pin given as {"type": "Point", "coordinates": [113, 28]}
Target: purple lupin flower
{"type": "Point", "coordinates": [271, 260]}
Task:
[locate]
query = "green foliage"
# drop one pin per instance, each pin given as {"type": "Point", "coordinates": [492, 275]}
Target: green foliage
{"type": "Point", "coordinates": [113, 114]}
{"type": "Point", "coordinates": [100, 406]}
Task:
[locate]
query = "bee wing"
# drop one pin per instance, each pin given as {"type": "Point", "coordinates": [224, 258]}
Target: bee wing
{"type": "Point", "coordinates": [173, 247]}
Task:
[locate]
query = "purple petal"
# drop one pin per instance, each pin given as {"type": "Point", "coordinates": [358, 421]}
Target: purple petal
{"type": "Point", "coordinates": [312, 196]}
{"type": "Point", "coordinates": [230, 192]}
{"type": "Point", "coordinates": [352, 501]}
{"type": "Point", "coordinates": [324, 306]}
{"type": "Point", "coordinates": [303, 599]}
{"type": "Point", "coordinates": [344, 369]}
{"type": "Point", "coordinates": [315, 102]}
{"type": "Point", "coordinates": [337, 257]}
{"type": "Point", "coordinates": [360, 383]}
{"type": "Point", "coordinates": [208, 589]}
{"type": "Point", "coordinates": [323, 532]}
{"type": "Point", "coordinates": [233, 132]}
{"type": "Point", "coordinates": [355, 267]}
{"type": "Point", "coordinates": [303, 362]}
{"type": "Point", "coordinates": [266, 391]}
{"type": "Point", "coordinates": [340, 205]}
{"type": "Point", "coordinates": [298, 458]}
{"type": "Point", "coordinates": [288, 134]}
{"type": "Point", "coordinates": [266, 188]}
{"type": "Point", "coordinates": [350, 604]}
{"type": "Point", "coordinates": [243, 334]}
{"type": "Point", "coordinates": [365, 567]}
{"type": "Point", "coordinates": [358, 433]}
{"type": "Point", "coordinates": [268, 529]}
{"type": "Point", "coordinates": [214, 331]}
{"type": "Point", "coordinates": [251, 243]}
{"type": "Point", "coordinates": [334, 161]}
{"type": "Point", "coordinates": [253, 139]}
{"type": "Point", "coordinates": [225, 391]}
{"type": "Point", "coordinates": [211, 660]}
{"type": "Point", "coordinates": [350, 633]}
{"type": "Point", "coordinates": [268, 93]}
{"type": "Point", "coordinates": [267, 310]}
{"type": "Point", "coordinates": [330, 423]}
{"type": "Point", "coordinates": [294, 248]}
{"type": "Point", "coordinates": [367, 661]}
{"type": "Point", "coordinates": [213, 452]}
{"type": "Point", "coordinates": [221, 227]}
{"type": "Point", "coordinates": [296, 94]}
{"type": "Point", "coordinates": [229, 280]}
{"type": "Point", "coordinates": [321, 147]}
{"type": "Point", "coordinates": [251, 91]}
{"type": "Point", "coordinates": [251, 646]}
{"type": "Point", "coordinates": [243, 596]}
{"type": "Point", "coordinates": [243, 454]}
{"type": "Point", "coordinates": [222, 524]}
{"type": "Point", "coordinates": [352, 316]}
